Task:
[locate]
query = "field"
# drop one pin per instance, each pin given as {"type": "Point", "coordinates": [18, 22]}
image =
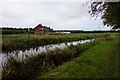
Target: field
{"type": "Point", "coordinates": [28, 36]}
{"type": "Point", "coordinates": [97, 59]}
{"type": "Point", "coordinates": [23, 41]}
{"type": "Point", "coordinates": [100, 61]}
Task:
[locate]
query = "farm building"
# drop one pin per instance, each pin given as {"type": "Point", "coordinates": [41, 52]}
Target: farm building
{"type": "Point", "coordinates": [39, 29]}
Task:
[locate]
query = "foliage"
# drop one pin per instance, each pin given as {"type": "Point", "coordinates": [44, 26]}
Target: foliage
{"type": "Point", "coordinates": [30, 67]}
{"type": "Point", "coordinates": [109, 11]}
{"type": "Point", "coordinates": [22, 42]}
{"type": "Point", "coordinates": [7, 30]}
{"type": "Point", "coordinates": [16, 44]}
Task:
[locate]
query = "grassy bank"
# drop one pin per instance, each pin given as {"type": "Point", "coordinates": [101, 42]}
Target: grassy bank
{"type": "Point", "coordinates": [11, 37]}
{"type": "Point", "coordinates": [100, 61]}
{"type": "Point", "coordinates": [97, 59]}
{"type": "Point", "coordinates": [34, 65]}
{"type": "Point", "coordinates": [24, 42]}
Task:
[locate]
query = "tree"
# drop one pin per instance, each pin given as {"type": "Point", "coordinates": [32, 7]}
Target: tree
{"type": "Point", "coordinates": [110, 12]}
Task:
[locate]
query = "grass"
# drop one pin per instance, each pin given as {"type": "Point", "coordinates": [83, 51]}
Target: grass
{"type": "Point", "coordinates": [28, 36]}
{"type": "Point", "coordinates": [96, 59]}
{"type": "Point", "coordinates": [30, 67]}
{"type": "Point", "coordinates": [100, 61]}
{"type": "Point", "coordinates": [10, 37]}
{"type": "Point", "coordinates": [22, 41]}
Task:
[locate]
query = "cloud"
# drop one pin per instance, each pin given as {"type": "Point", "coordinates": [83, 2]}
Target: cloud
{"type": "Point", "coordinates": [43, 0]}
{"type": "Point", "coordinates": [58, 15]}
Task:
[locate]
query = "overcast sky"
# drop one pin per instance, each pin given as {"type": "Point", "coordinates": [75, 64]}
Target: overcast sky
{"type": "Point", "coordinates": [57, 15]}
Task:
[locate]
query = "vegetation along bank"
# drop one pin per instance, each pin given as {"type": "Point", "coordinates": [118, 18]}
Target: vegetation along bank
{"type": "Point", "coordinates": [49, 64]}
{"type": "Point", "coordinates": [10, 44]}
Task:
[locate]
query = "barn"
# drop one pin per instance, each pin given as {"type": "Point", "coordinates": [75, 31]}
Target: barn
{"type": "Point", "coordinates": [40, 29]}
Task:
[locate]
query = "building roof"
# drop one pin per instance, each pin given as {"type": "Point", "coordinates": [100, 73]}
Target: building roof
{"type": "Point", "coordinates": [41, 26]}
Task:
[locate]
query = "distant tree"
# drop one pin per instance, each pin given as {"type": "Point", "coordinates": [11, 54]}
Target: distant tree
{"type": "Point", "coordinates": [110, 12]}
{"type": "Point", "coordinates": [7, 30]}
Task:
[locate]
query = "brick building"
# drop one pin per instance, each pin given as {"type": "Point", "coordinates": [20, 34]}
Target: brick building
{"type": "Point", "coordinates": [39, 29]}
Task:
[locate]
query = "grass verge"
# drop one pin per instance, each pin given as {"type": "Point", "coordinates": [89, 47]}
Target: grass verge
{"type": "Point", "coordinates": [100, 61]}
{"type": "Point", "coordinates": [25, 43]}
{"type": "Point", "coordinates": [30, 67]}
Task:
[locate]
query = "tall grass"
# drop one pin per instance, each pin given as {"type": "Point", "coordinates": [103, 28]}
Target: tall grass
{"type": "Point", "coordinates": [33, 42]}
{"type": "Point", "coordinates": [32, 66]}
{"type": "Point", "coordinates": [18, 44]}
{"type": "Point", "coordinates": [98, 62]}
{"type": "Point", "coordinates": [29, 68]}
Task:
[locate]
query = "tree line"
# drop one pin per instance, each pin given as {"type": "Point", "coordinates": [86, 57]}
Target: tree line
{"type": "Point", "coordinates": [31, 30]}
{"type": "Point", "coordinates": [7, 30]}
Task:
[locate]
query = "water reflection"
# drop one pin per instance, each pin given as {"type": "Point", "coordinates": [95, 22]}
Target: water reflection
{"type": "Point", "coordinates": [19, 54]}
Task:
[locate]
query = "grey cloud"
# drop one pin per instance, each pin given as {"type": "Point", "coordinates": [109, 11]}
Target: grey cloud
{"type": "Point", "coordinates": [62, 15]}
{"type": "Point", "coordinates": [43, 0]}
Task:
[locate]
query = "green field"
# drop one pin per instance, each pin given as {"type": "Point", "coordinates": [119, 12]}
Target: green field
{"type": "Point", "coordinates": [100, 61]}
{"type": "Point", "coordinates": [97, 59]}
{"type": "Point", "coordinates": [24, 41]}
{"type": "Point", "coordinates": [28, 36]}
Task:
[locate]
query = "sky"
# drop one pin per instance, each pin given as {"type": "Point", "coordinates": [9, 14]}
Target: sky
{"type": "Point", "coordinates": [59, 15]}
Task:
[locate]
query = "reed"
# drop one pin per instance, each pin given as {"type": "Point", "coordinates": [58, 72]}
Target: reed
{"type": "Point", "coordinates": [21, 44]}
{"type": "Point", "coordinates": [30, 67]}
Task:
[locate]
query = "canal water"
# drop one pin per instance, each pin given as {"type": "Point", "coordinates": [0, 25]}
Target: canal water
{"type": "Point", "coordinates": [19, 54]}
